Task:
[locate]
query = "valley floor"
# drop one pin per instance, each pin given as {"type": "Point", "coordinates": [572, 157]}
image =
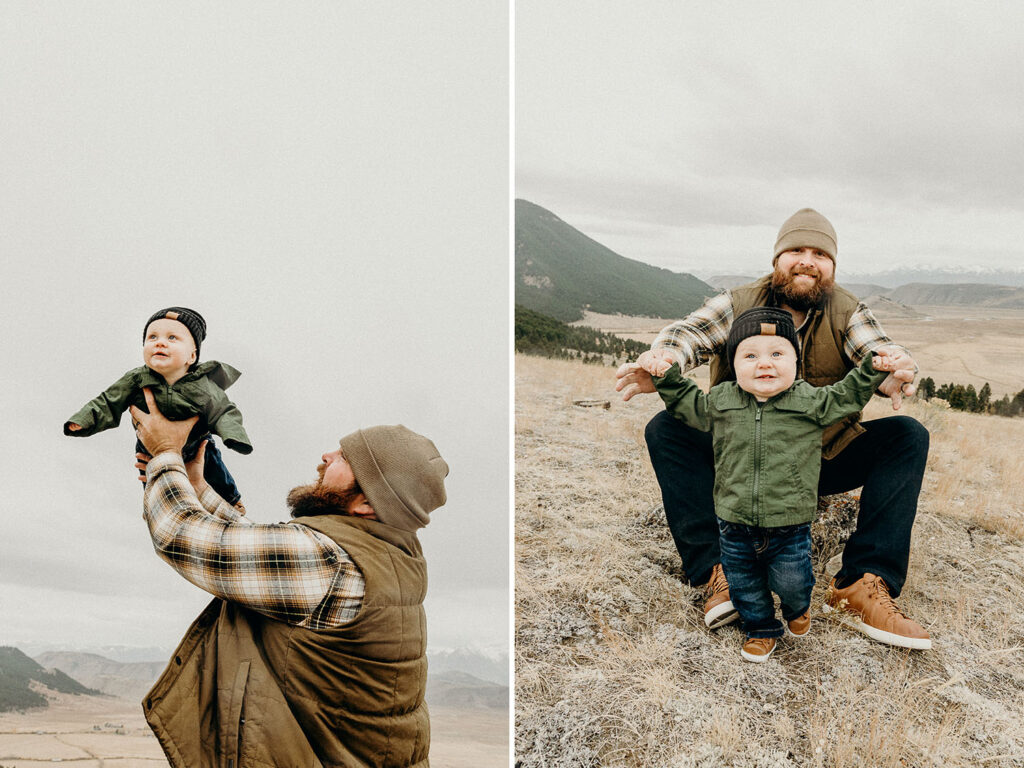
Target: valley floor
{"type": "Point", "coordinates": [105, 732]}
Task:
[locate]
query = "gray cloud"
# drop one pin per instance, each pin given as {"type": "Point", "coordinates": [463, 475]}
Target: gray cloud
{"type": "Point", "coordinates": [900, 120]}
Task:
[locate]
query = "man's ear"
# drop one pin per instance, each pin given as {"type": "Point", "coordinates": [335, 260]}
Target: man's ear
{"type": "Point", "coordinates": [360, 507]}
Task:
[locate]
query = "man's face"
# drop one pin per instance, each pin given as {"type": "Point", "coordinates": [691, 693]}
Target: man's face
{"type": "Point", "coordinates": [335, 472]}
{"type": "Point", "coordinates": [765, 366]}
{"type": "Point", "coordinates": [168, 349]}
{"type": "Point", "coordinates": [803, 277]}
{"type": "Point", "coordinates": [334, 492]}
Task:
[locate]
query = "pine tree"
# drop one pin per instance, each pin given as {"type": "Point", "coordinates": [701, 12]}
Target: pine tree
{"type": "Point", "coordinates": [984, 396]}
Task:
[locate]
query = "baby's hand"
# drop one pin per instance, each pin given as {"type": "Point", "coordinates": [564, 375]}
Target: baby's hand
{"type": "Point", "coordinates": [656, 361]}
{"type": "Point", "coordinates": [74, 427]}
{"type": "Point", "coordinates": [883, 362]}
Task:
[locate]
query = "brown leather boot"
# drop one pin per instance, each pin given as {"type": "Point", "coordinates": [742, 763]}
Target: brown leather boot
{"type": "Point", "coordinates": [867, 606]}
{"type": "Point", "coordinates": [718, 608]}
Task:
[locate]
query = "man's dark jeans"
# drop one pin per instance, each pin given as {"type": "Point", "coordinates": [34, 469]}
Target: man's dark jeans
{"type": "Point", "coordinates": [888, 460]}
{"type": "Point", "coordinates": [760, 561]}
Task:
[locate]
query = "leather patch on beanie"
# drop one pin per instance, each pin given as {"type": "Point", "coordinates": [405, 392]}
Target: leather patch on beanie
{"type": "Point", "coordinates": [172, 315]}
{"type": "Point", "coordinates": [767, 329]}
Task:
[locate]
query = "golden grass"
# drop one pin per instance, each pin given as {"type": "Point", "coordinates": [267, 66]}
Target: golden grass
{"type": "Point", "coordinates": [615, 668]}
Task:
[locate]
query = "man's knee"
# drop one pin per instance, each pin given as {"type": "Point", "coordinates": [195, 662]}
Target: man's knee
{"type": "Point", "coordinates": [911, 435]}
{"type": "Point", "coordinates": [659, 430]}
{"type": "Point", "coordinates": [665, 433]}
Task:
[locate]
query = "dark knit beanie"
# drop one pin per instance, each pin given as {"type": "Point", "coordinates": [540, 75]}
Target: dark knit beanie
{"type": "Point", "coordinates": [187, 317]}
{"type": "Point", "coordinates": [401, 473]}
{"type": "Point", "coordinates": [807, 229]}
{"type": "Point", "coordinates": [761, 321]}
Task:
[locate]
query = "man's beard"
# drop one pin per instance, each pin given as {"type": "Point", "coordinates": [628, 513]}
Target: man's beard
{"type": "Point", "coordinates": [799, 297]}
{"type": "Point", "coordinates": [312, 499]}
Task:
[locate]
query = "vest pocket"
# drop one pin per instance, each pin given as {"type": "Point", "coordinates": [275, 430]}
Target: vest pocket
{"type": "Point", "coordinates": [233, 731]}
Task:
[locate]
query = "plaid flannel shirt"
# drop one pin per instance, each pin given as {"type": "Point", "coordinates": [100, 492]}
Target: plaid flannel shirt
{"type": "Point", "coordinates": [703, 333]}
{"type": "Point", "coordinates": [288, 572]}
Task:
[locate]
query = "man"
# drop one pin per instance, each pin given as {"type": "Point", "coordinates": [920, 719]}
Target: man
{"type": "Point", "coordinates": [885, 456]}
{"type": "Point", "coordinates": [314, 652]}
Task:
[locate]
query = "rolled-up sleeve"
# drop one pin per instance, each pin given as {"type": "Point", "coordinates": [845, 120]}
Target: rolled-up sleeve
{"type": "Point", "coordinates": [285, 571]}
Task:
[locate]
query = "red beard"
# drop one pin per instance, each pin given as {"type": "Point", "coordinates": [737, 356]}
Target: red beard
{"type": "Point", "coordinates": [799, 296]}
{"type": "Point", "coordinates": [309, 500]}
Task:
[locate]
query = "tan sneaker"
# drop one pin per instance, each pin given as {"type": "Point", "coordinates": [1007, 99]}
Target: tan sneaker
{"type": "Point", "coordinates": [867, 606]}
{"type": "Point", "coordinates": [799, 626]}
{"type": "Point", "coordinates": [758, 649]}
{"type": "Point", "coordinates": [718, 608]}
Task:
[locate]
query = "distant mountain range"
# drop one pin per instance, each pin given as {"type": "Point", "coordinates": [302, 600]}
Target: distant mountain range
{"type": "Point", "coordinates": [920, 293]}
{"type": "Point", "coordinates": [458, 689]}
{"type": "Point", "coordinates": [893, 278]}
{"type": "Point", "coordinates": [456, 678]}
{"type": "Point", "coordinates": [492, 666]}
{"type": "Point", "coordinates": [126, 680]}
{"type": "Point", "coordinates": [560, 272]}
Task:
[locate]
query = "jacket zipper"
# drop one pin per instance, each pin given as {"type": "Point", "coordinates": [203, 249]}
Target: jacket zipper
{"type": "Point", "coordinates": [757, 466]}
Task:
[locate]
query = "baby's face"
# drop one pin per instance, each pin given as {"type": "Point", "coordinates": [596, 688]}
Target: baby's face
{"type": "Point", "coordinates": [168, 349]}
{"type": "Point", "coordinates": [765, 366]}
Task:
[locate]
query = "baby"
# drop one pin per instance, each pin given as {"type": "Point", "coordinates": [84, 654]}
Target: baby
{"type": "Point", "coordinates": [766, 428]}
{"type": "Point", "coordinates": [182, 387]}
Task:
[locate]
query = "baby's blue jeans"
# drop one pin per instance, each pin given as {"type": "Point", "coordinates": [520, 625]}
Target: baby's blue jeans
{"type": "Point", "coordinates": [760, 561]}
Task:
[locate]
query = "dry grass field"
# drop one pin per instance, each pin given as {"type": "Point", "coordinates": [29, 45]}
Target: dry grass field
{"type": "Point", "coordinates": [107, 732]}
{"type": "Point", "coordinates": [615, 668]}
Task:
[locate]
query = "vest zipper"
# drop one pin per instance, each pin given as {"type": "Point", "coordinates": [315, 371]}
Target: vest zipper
{"type": "Point", "coordinates": [757, 466]}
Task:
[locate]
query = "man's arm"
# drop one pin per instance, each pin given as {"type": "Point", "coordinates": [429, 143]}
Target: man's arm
{"type": "Point", "coordinates": [863, 336]}
{"type": "Point", "coordinates": [690, 342]}
{"type": "Point", "coordinates": [288, 572]}
{"type": "Point", "coordinates": [283, 571]}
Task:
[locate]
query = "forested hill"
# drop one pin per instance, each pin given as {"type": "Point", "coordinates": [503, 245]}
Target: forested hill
{"type": "Point", "coordinates": [559, 271]}
{"type": "Point", "coordinates": [540, 334]}
{"type": "Point", "coordinates": [18, 672]}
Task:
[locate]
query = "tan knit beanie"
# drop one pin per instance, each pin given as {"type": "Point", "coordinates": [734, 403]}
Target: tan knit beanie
{"type": "Point", "coordinates": [807, 229]}
{"type": "Point", "coordinates": [401, 473]}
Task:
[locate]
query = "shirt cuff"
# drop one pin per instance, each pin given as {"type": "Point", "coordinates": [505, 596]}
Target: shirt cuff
{"type": "Point", "coordinates": [166, 461]}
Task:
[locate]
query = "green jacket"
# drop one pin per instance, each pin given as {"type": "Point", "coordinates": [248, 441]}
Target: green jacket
{"type": "Point", "coordinates": [197, 393]}
{"type": "Point", "coordinates": [767, 455]}
{"type": "Point", "coordinates": [245, 691]}
{"type": "Point", "coordinates": [823, 357]}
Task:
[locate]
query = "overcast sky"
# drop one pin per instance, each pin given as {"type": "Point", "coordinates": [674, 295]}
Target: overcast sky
{"type": "Point", "coordinates": [684, 134]}
{"type": "Point", "coordinates": [327, 183]}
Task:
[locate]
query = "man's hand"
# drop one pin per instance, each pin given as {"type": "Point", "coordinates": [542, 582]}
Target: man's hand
{"type": "Point", "coordinates": [900, 381]}
{"type": "Point", "coordinates": [141, 462]}
{"type": "Point", "coordinates": [194, 468]}
{"type": "Point", "coordinates": [158, 433]}
{"type": "Point", "coordinates": [635, 378]}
